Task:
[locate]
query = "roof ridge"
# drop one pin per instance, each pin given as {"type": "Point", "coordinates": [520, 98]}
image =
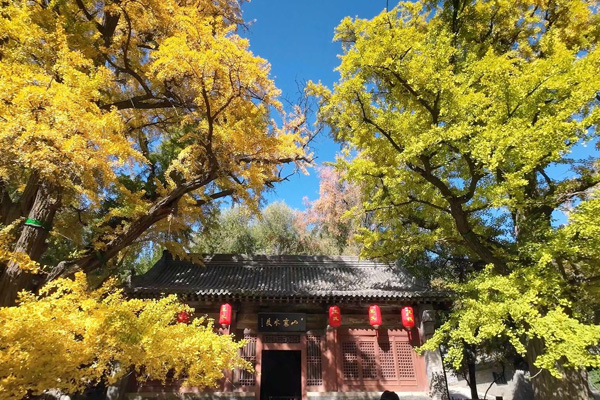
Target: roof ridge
{"type": "Point", "coordinates": [281, 276]}
{"type": "Point", "coordinates": [315, 265]}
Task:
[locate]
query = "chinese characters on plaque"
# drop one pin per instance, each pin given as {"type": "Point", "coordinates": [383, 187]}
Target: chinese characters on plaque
{"type": "Point", "coordinates": [281, 322]}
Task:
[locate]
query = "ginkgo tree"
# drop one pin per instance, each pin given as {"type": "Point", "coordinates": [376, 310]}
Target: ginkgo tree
{"type": "Point", "coordinates": [70, 338]}
{"type": "Point", "coordinates": [119, 120]}
{"type": "Point", "coordinates": [462, 118]}
{"type": "Point", "coordinates": [122, 122]}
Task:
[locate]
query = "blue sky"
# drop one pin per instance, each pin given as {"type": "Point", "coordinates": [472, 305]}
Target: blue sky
{"type": "Point", "coordinates": [296, 38]}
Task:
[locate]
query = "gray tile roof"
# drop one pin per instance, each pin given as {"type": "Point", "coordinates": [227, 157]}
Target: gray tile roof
{"type": "Point", "coordinates": [280, 277]}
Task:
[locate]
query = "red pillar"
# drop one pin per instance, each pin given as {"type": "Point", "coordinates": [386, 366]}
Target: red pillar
{"type": "Point", "coordinates": [257, 368]}
{"type": "Point", "coordinates": [329, 362]}
{"type": "Point", "coordinates": [228, 385]}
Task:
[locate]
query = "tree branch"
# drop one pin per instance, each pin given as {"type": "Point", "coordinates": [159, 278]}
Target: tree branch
{"type": "Point", "coordinates": [214, 196]}
{"type": "Point", "coordinates": [476, 175]}
{"type": "Point", "coordinates": [161, 209]}
{"type": "Point", "coordinates": [575, 187]}
{"type": "Point", "coordinates": [141, 103]}
{"type": "Point", "coordinates": [88, 15]}
{"type": "Point", "coordinates": [459, 215]}
{"type": "Point", "coordinates": [427, 203]}
{"type": "Point", "coordinates": [432, 109]}
{"type": "Point", "coordinates": [369, 121]}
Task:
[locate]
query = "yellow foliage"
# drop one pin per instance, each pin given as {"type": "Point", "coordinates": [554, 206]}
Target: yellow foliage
{"type": "Point", "coordinates": [70, 336]}
{"type": "Point", "coordinates": [457, 115]}
{"type": "Point", "coordinates": [7, 256]}
{"type": "Point", "coordinates": [491, 307]}
{"type": "Point", "coordinates": [120, 104]}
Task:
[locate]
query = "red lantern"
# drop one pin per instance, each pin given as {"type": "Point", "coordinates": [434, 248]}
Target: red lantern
{"type": "Point", "coordinates": [183, 317]}
{"type": "Point", "coordinates": [408, 317]}
{"type": "Point", "coordinates": [225, 315]}
{"type": "Point", "coordinates": [335, 316]}
{"type": "Point", "coordinates": [375, 316]}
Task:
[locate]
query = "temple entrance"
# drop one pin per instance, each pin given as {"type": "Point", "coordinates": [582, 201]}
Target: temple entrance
{"type": "Point", "coordinates": [281, 372]}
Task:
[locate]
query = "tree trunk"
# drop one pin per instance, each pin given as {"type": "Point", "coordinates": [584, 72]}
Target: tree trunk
{"type": "Point", "coordinates": [573, 385]}
{"type": "Point", "coordinates": [470, 357]}
{"type": "Point", "coordinates": [32, 242]}
{"type": "Point", "coordinates": [9, 210]}
{"type": "Point", "coordinates": [472, 380]}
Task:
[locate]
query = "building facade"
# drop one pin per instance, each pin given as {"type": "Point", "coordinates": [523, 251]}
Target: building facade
{"type": "Point", "coordinates": [280, 305]}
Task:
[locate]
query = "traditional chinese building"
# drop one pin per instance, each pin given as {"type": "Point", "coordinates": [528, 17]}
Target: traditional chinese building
{"type": "Point", "coordinates": [283, 307]}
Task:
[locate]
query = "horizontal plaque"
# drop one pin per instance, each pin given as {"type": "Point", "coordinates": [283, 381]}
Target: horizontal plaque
{"type": "Point", "coordinates": [281, 322]}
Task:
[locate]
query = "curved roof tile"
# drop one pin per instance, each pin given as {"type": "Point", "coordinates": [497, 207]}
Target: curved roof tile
{"type": "Point", "coordinates": [280, 276]}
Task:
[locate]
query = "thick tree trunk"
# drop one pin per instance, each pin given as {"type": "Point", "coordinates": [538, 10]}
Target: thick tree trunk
{"type": "Point", "coordinates": [573, 385]}
{"type": "Point", "coordinates": [9, 210]}
{"type": "Point", "coordinates": [32, 242]}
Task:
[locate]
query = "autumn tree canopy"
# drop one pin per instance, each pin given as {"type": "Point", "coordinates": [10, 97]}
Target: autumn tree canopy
{"type": "Point", "coordinates": [332, 216]}
{"type": "Point", "coordinates": [458, 114]}
{"type": "Point", "coordinates": [71, 337]}
{"type": "Point", "coordinates": [121, 122]}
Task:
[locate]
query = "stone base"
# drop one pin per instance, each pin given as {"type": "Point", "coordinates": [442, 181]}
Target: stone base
{"type": "Point", "coordinates": [251, 395]}
{"type": "Point", "coordinates": [364, 395]}
{"type": "Point", "coordinates": [192, 396]}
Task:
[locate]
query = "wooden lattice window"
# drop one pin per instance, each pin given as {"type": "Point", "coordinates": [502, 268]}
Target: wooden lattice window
{"type": "Point", "coordinates": [367, 359]}
{"type": "Point", "coordinates": [405, 357]}
{"type": "Point", "coordinates": [313, 360]}
{"type": "Point", "coordinates": [248, 353]}
{"type": "Point", "coordinates": [386, 361]}
{"type": "Point", "coordinates": [281, 339]}
{"type": "Point", "coordinates": [349, 360]}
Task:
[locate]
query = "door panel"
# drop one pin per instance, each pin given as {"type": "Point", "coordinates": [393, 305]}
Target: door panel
{"type": "Point", "coordinates": [281, 376]}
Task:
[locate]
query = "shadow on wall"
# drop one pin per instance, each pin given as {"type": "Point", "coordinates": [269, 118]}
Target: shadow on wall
{"type": "Point", "coordinates": [513, 386]}
{"type": "Point", "coordinates": [437, 385]}
{"type": "Point", "coordinates": [523, 390]}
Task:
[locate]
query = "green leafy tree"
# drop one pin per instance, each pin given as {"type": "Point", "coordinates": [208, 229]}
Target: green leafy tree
{"type": "Point", "coordinates": [230, 232]}
{"type": "Point", "coordinates": [458, 112]}
{"type": "Point", "coordinates": [239, 230]}
{"type": "Point", "coordinates": [277, 229]}
{"type": "Point", "coordinates": [595, 378]}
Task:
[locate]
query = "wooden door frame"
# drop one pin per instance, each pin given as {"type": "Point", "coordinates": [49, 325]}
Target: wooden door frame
{"type": "Point", "coordinates": [260, 346]}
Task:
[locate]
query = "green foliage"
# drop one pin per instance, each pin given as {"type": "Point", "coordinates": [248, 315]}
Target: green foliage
{"type": "Point", "coordinates": [229, 233]}
{"type": "Point", "coordinates": [239, 231]}
{"type": "Point", "coordinates": [595, 378]}
{"type": "Point", "coordinates": [277, 229]}
{"type": "Point", "coordinates": [527, 303]}
{"type": "Point", "coordinates": [457, 114]}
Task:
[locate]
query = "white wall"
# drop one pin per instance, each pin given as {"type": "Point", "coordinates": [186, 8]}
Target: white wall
{"type": "Point", "coordinates": [516, 388]}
